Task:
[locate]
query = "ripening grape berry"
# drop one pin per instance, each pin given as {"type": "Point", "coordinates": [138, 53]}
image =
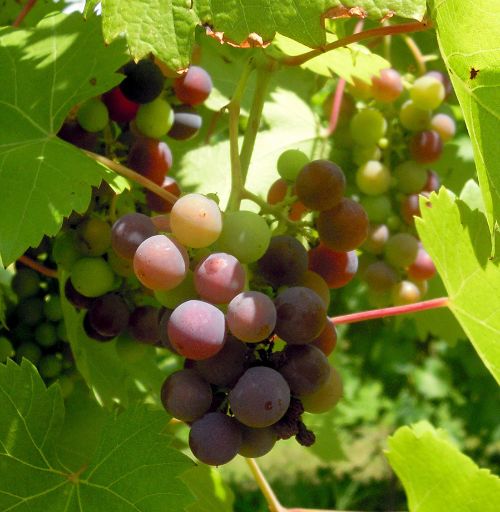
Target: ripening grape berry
{"type": "Point", "coordinates": [367, 127]}
{"type": "Point", "coordinates": [129, 232]}
{"type": "Point", "coordinates": [143, 81]}
{"type": "Point", "coordinates": [405, 292]}
{"type": "Point", "coordinates": [444, 79]}
{"type": "Point", "coordinates": [196, 329]}
{"type": "Point", "coordinates": [158, 204]}
{"type": "Point", "coordinates": [245, 235]}
{"type": "Point", "coordinates": [320, 185]}
{"type": "Point", "coordinates": [109, 315]}
{"type": "Point", "coordinates": [344, 227]}
{"type": "Point", "coordinates": [144, 324]}
{"type": "Point", "coordinates": [317, 284]}
{"type": "Point", "coordinates": [423, 267]}
{"type": "Point", "coordinates": [215, 438]}
{"type": "Point", "coordinates": [151, 158]}
{"type": "Point", "coordinates": [260, 398]}
{"type": "Point", "coordinates": [427, 92]}
{"type": "Point", "coordinates": [155, 119]}
{"type": "Point", "coordinates": [196, 221]}
{"type": "Point", "coordinates": [388, 86]}
{"type": "Point", "coordinates": [93, 115]}
{"type": "Point", "coordinates": [301, 315]}
{"type": "Point", "coordinates": [121, 266]}
{"type": "Point", "coordinates": [327, 340]}
{"type": "Point", "coordinates": [444, 125]}
{"type": "Point", "coordinates": [92, 277]}
{"type": "Point", "coordinates": [194, 87]}
{"type": "Point", "coordinates": [336, 268]}
{"type": "Point", "coordinates": [360, 89]}
{"type": "Point", "coordinates": [73, 133]}
{"type": "Point", "coordinates": [277, 193]}
{"type": "Point", "coordinates": [290, 162]}
{"type": "Point", "coordinates": [160, 263]}
{"type": "Point", "coordinates": [410, 207]}
{"type": "Point", "coordinates": [256, 442]}
{"type": "Point", "coordinates": [75, 298]}
{"type": "Point", "coordinates": [219, 277]}
{"type": "Point", "coordinates": [426, 147]}
{"type": "Point", "coordinates": [187, 123]}
{"type": "Point", "coordinates": [380, 277]}
{"type": "Point", "coordinates": [401, 250]}
{"type": "Point", "coordinates": [326, 397]}
{"type": "Point", "coordinates": [373, 178]}
{"type": "Point", "coordinates": [414, 118]}
{"type": "Point", "coordinates": [378, 208]}
{"type": "Point", "coordinates": [378, 234]}
{"type": "Point", "coordinates": [93, 236]}
{"type": "Point", "coordinates": [410, 177]}
{"type": "Point", "coordinates": [185, 395]}
{"type": "Point", "coordinates": [432, 184]}
{"type": "Point", "coordinates": [120, 108]}
{"type": "Point", "coordinates": [251, 316]}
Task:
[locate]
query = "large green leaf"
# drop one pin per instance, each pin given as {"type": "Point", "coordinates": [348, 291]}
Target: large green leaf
{"type": "Point", "coordinates": [10, 9]}
{"type": "Point", "coordinates": [44, 72]}
{"type": "Point", "coordinates": [111, 378]}
{"type": "Point", "coordinates": [472, 56]}
{"type": "Point", "coordinates": [166, 27]}
{"type": "Point", "coordinates": [131, 469]}
{"type": "Point", "coordinates": [436, 476]}
{"type": "Point", "coordinates": [459, 243]}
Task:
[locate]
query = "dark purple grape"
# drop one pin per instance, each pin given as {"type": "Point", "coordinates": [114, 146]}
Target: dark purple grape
{"type": "Point", "coordinates": [109, 315]}
{"type": "Point", "coordinates": [227, 366]}
{"type": "Point", "coordinates": [144, 324]}
{"type": "Point", "coordinates": [92, 333]}
{"type": "Point", "coordinates": [306, 368]}
{"type": "Point", "coordinates": [143, 81]}
{"type": "Point", "coordinates": [73, 133]}
{"type": "Point", "coordinates": [260, 398]}
{"type": "Point", "coordinates": [129, 232]}
{"type": "Point", "coordinates": [301, 315]}
{"type": "Point", "coordinates": [187, 123]}
{"type": "Point", "coordinates": [284, 262]}
{"type": "Point", "coordinates": [164, 339]}
{"type": "Point", "coordinates": [74, 297]}
{"type": "Point", "coordinates": [256, 442]}
{"type": "Point", "coordinates": [215, 439]}
{"type": "Point", "coordinates": [185, 395]}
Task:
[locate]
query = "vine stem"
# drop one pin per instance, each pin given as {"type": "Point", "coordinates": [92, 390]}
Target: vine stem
{"type": "Point", "coordinates": [49, 272]}
{"type": "Point", "coordinates": [417, 54]}
{"type": "Point", "coordinates": [24, 12]}
{"type": "Point", "coordinates": [403, 28]}
{"type": "Point", "coordinates": [392, 311]}
{"type": "Point", "coordinates": [133, 176]}
{"type": "Point", "coordinates": [271, 499]}
{"type": "Point", "coordinates": [237, 180]}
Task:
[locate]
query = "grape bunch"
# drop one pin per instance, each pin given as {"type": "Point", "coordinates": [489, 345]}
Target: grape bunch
{"type": "Point", "coordinates": [394, 129]}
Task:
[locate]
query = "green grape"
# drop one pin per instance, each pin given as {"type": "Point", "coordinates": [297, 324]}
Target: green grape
{"type": "Point", "coordinates": [245, 235]}
{"type": "Point", "coordinates": [121, 266]}
{"type": "Point", "coordinates": [52, 308]}
{"type": "Point", "coordinates": [155, 119]}
{"type": "Point", "coordinates": [373, 178]}
{"type": "Point", "coordinates": [378, 208]}
{"type": "Point", "coordinates": [427, 92]}
{"type": "Point", "coordinates": [93, 115]}
{"type": "Point", "coordinates": [401, 250]}
{"type": "Point", "coordinates": [94, 235]}
{"type": "Point", "coordinates": [414, 118]}
{"type": "Point", "coordinates": [65, 250]}
{"type": "Point", "coordinates": [25, 283]}
{"type": "Point", "coordinates": [411, 177]}
{"type": "Point", "coordinates": [45, 334]}
{"type": "Point", "coordinates": [181, 293]}
{"type": "Point", "coordinates": [6, 349]}
{"type": "Point", "coordinates": [30, 311]}
{"type": "Point", "coordinates": [361, 154]}
{"type": "Point", "coordinates": [92, 277]}
{"type": "Point", "coordinates": [50, 366]}
{"type": "Point", "coordinates": [326, 397]}
{"type": "Point", "coordinates": [29, 351]}
{"type": "Point", "coordinates": [290, 163]}
{"type": "Point", "coordinates": [367, 127]}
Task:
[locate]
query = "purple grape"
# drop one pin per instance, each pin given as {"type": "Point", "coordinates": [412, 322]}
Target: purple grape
{"type": "Point", "coordinates": [129, 232]}
{"type": "Point", "coordinates": [109, 315]}
{"type": "Point", "coordinates": [144, 324]}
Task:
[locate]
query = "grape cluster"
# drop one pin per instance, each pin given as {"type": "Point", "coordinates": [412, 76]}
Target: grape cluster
{"type": "Point", "coordinates": [394, 135]}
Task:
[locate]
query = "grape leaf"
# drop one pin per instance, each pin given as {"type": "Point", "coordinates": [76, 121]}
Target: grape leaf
{"type": "Point", "coordinates": [44, 72]}
{"type": "Point", "coordinates": [111, 378]}
{"type": "Point", "coordinates": [459, 243]}
{"type": "Point", "coordinates": [10, 9]}
{"type": "Point", "coordinates": [436, 476]}
{"type": "Point", "coordinates": [471, 55]}
{"type": "Point", "coordinates": [132, 468]}
{"type": "Point", "coordinates": [170, 27]}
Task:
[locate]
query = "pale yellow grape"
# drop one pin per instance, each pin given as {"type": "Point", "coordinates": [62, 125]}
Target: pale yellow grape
{"type": "Point", "coordinates": [196, 221]}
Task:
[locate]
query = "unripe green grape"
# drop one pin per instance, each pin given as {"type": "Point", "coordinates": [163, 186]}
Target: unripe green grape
{"type": "Point", "coordinates": [427, 92]}
{"type": "Point", "coordinates": [94, 236]}
{"type": "Point", "coordinates": [29, 351]}
{"type": "Point", "coordinates": [411, 177]}
{"type": "Point", "coordinates": [155, 119]}
{"type": "Point", "coordinates": [367, 127]}
{"type": "Point", "coordinates": [25, 283]}
{"type": "Point", "coordinates": [65, 250]}
{"type": "Point", "coordinates": [52, 308]}
{"type": "Point", "coordinates": [120, 266]}
{"type": "Point", "coordinates": [290, 162]}
{"type": "Point", "coordinates": [401, 250]}
{"type": "Point", "coordinates": [30, 311]}
{"type": "Point", "coordinates": [6, 349]}
{"type": "Point", "coordinates": [373, 178]}
{"type": "Point", "coordinates": [50, 366]}
{"type": "Point", "coordinates": [361, 154]}
{"type": "Point", "coordinates": [93, 115]}
{"type": "Point", "coordinates": [414, 118]}
{"type": "Point", "coordinates": [378, 208]}
{"type": "Point", "coordinates": [92, 277]}
{"type": "Point", "coordinates": [181, 293]}
{"type": "Point", "coordinates": [45, 334]}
